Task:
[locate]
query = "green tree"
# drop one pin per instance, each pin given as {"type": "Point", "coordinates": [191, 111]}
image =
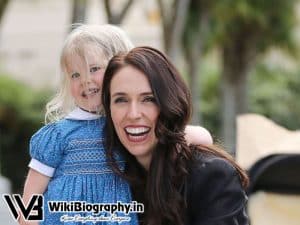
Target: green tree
{"type": "Point", "coordinates": [114, 17]}
{"type": "Point", "coordinates": [79, 11]}
{"type": "Point", "coordinates": [3, 6]}
{"type": "Point", "coordinates": [195, 39]}
{"type": "Point", "coordinates": [173, 18]}
{"type": "Point", "coordinates": [275, 94]}
{"type": "Point", "coordinates": [245, 29]}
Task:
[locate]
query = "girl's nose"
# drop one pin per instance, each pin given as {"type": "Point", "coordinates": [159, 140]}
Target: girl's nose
{"type": "Point", "coordinates": [86, 79]}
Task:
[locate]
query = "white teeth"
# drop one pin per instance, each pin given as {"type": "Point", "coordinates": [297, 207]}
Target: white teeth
{"type": "Point", "coordinates": [136, 130]}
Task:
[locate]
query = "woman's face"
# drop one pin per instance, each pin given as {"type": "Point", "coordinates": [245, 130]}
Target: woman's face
{"type": "Point", "coordinates": [134, 113]}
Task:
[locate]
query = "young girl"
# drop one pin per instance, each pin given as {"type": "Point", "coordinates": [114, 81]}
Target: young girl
{"type": "Point", "coordinates": [68, 158]}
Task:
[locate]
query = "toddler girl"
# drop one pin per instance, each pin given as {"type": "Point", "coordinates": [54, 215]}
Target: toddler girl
{"type": "Point", "coordinates": [68, 158]}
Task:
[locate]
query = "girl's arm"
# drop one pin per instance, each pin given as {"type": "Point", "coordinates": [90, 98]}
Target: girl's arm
{"type": "Point", "coordinates": [198, 135]}
{"type": "Point", "coordinates": [36, 183]}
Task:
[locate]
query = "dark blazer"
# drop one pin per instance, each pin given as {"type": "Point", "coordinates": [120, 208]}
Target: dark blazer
{"type": "Point", "coordinates": [214, 193]}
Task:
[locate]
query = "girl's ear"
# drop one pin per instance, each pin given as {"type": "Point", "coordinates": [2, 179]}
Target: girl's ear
{"type": "Point", "coordinates": [197, 135]}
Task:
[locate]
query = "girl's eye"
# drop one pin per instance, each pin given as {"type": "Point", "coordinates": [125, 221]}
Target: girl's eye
{"type": "Point", "coordinates": [120, 100]}
{"type": "Point", "coordinates": [149, 99]}
{"type": "Point", "coordinates": [94, 69]}
{"type": "Point", "coordinates": [75, 75]}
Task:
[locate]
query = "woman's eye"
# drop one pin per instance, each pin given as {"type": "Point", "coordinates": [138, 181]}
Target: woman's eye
{"type": "Point", "coordinates": [120, 100]}
{"type": "Point", "coordinates": [94, 69]}
{"type": "Point", "coordinates": [149, 99]}
{"type": "Point", "coordinates": [75, 75]}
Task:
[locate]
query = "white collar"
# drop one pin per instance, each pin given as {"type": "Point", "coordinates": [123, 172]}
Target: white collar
{"type": "Point", "coordinates": [79, 114]}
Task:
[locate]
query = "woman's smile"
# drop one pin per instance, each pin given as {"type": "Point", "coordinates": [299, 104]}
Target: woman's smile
{"type": "Point", "coordinates": [137, 133]}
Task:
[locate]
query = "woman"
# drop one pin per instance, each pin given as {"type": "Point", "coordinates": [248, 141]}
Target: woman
{"type": "Point", "coordinates": [147, 106]}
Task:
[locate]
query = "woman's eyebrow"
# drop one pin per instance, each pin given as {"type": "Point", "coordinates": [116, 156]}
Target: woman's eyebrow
{"type": "Point", "coordinates": [123, 93]}
{"type": "Point", "coordinates": [118, 94]}
{"type": "Point", "coordinates": [147, 93]}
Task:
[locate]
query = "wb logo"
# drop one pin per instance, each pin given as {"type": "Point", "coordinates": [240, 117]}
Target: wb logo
{"type": "Point", "coordinates": [33, 210]}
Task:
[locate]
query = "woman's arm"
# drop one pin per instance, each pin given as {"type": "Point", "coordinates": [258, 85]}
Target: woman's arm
{"type": "Point", "coordinates": [198, 135]}
{"type": "Point", "coordinates": [215, 194]}
{"type": "Point", "coordinates": [36, 183]}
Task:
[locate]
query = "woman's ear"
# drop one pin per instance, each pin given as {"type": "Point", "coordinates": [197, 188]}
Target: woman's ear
{"type": "Point", "coordinates": [197, 135]}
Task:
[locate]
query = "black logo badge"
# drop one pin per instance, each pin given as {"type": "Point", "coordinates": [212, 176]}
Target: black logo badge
{"type": "Point", "coordinates": [33, 210]}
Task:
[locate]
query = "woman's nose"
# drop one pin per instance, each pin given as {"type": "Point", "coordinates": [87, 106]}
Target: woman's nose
{"type": "Point", "coordinates": [134, 111]}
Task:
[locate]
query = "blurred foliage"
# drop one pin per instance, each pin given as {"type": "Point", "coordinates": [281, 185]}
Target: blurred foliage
{"type": "Point", "coordinates": [271, 21]}
{"type": "Point", "coordinates": [210, 100]}
{"type": "Point", "coordinates": [21, 114]}
{"type": "Point", "coordinates": [273, 92]}
{"type": "Point", "coordinates": [242, 30]}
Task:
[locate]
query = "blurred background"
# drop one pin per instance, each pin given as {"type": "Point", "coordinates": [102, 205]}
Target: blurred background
{"type": "Point", "coordinates": [238, 56]}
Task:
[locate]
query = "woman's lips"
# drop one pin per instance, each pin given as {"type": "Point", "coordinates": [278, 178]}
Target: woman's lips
{"type": "Point", "coordinates": [137, 133]}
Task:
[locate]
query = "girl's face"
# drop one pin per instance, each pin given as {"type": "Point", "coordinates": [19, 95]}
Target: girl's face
{"type": "Point", "coordinates": [86, 79]}
{"type": "Point", "coordinates": [134, 113]}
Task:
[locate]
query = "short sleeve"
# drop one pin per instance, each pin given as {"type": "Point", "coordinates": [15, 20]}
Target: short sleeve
{"type": "Point", "coordinates": [216, 196]}
{"type": "Point", "coordinates": [46, 150]}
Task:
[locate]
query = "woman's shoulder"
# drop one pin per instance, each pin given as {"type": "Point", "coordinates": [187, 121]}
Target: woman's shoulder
{"type": "Point", "coordinates": [208, 162]}
{"type": "Point", "coordinates": [215, 192]}
{"type": "Point", "coordinates": [211, 174]}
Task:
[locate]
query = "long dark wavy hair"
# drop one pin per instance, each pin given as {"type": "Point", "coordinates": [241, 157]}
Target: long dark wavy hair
{"type": "Point", "coordinates": [159, 188]}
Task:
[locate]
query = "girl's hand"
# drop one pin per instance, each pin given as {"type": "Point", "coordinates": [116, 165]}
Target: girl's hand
{"type": "Point", "coordinates": [198, 135]}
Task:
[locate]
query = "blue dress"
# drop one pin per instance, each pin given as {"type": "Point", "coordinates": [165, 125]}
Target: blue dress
{"type": "Point", "coordinates": [71, 152]}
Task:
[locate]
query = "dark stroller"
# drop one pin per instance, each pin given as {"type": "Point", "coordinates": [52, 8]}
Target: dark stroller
{"type": "Point", "coordinates": [274, 190]}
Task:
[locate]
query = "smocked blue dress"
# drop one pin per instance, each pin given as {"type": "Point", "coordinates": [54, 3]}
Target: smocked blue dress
{"type": "Point", "coordinates": [71, 152]}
